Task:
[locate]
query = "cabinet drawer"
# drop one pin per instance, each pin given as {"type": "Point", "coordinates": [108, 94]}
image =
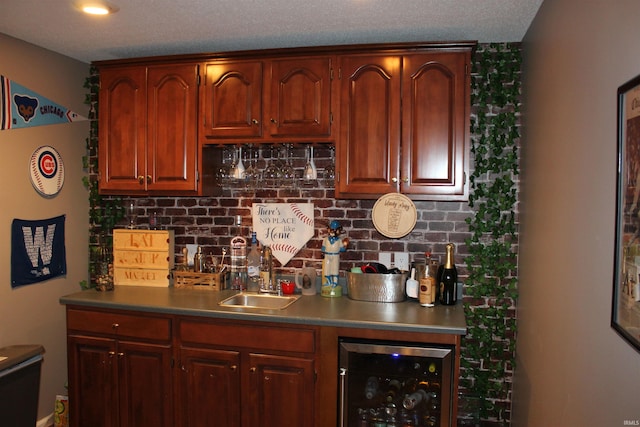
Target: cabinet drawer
{"type": "Point", "coordinates": [277, 337]}
{"type": "Point", "coordinates": [119, 324]}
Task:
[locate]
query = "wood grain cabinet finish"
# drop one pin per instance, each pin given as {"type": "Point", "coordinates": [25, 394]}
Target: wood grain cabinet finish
{"type": "Point", "coordinates": [266, 101]}
{"type": "Point", "coordinates": [231, 104]}
{"type": "Point", "coordinates": [246, 375]}
{"type": "Point", "coordinates": [148, 129]}
{"type": "Point", "coordinates": [404, 125]}
{"type": "Point", "coordinates": [120, 371]}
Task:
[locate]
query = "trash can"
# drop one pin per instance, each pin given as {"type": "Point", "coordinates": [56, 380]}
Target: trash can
{"type": "Point", "coordinates": [20, 384]}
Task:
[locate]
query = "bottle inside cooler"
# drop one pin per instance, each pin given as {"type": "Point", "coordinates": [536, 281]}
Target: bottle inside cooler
{"type": "Point", "coordinates": [387, 385]}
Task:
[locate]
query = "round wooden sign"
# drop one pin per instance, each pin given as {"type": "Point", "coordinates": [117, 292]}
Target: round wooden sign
{"type": "Point", "coordinates": [394, 215]}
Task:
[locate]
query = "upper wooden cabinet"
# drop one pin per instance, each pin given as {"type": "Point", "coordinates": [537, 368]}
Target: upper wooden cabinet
{"type": "Point", "coordinates": [148, 130]}
{"type": "Point", "coordinates": [398, 115]}
{"type": "Point", "coordinates": [266, 100]}
{"type": "Point", "coordinates": [231, 100]}
{"type": "Point", "coordinates": [404, 125]}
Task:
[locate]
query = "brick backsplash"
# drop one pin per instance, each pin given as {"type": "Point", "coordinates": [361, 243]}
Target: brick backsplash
{"type": "Point", "coordinates": [210, 221]}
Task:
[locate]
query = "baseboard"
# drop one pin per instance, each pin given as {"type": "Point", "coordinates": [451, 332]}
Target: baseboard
{"type": "Point", "coordinates": [46, 421]}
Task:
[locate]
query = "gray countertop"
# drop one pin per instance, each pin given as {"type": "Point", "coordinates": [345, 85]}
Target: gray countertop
{"type": "Point", "coordinates": [407, 316]}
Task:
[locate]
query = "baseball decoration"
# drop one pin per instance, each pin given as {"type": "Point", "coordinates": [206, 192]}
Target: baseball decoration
{"type": "Point", "coordinates": [284, 227]}
{"type": "Point", "coordinates": [47, 171]}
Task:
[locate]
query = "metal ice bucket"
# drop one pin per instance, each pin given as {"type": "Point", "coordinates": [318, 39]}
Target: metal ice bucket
{"type": "Point", "coordinates": [377, 287]}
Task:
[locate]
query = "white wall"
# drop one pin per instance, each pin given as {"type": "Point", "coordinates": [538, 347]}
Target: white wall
{"type": "Point", "coordinates": [573, 369]}
{"type": "Point", "coordinates": [32, 314]}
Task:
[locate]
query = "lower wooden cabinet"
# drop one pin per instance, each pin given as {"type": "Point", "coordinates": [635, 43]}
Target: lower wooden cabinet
{"type": "Point", "coordinates": [245, 375]}
{"type": "Point", "coordinates": [143, 369]}
{"type": "Point", "coordinates": [120, 370]}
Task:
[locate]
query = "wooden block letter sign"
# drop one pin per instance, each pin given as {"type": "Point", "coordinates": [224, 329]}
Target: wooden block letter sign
{"type": "Point", "coordinates": [142, 257]}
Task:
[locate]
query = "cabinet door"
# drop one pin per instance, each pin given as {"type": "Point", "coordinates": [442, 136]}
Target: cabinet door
{"type": "Point", "coordinates": [209, 388]}
{"type": "Point", "coordinates": [92, 391]}
{"type": "Point", "coordinates": [300, 97]}
{"type": "Point", "coordinates": [435, 111]}
{"type": "Point", "coordinates": [145, 385]}
{"type": "Point", "coordinates": [122, 129]}
{"type": "Point", "coordinates": [281, 390]}
{"type": "Point", "coordinates": [172, 104]}
{"type": "Point", "coordinates": [232, 101]}
{"type": "Point", "coordinates": [368, 150]}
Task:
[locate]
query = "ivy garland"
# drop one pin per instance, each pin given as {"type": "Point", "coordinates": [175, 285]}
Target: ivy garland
{"type": "Point", "coordinates": [104, 213]}
{"type": "Point", "coordinates": [489, 347]}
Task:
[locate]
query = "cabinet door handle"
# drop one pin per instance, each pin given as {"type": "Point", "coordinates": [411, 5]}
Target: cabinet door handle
{"type": "Point", "coordinates": [394, 179]}
{"type": "Point", "coordinates": [253, 369]}
{"type": "Point", "coordinates": [255, 121]}
{"type": "Point", "coordinates": [405, 180]}
{"type": "Point", "coordinates": [140, 179]}
{"type": "Point", "coordinates": [233, 368]}
{"type": "Point", "coordinates": [274, 121]}
{"type": "Point", "coordinates": [112, 353]}
{"type": "Point", "coordinates": [115, 325]}
{"type": "Point", "coordinates": [148, 179]}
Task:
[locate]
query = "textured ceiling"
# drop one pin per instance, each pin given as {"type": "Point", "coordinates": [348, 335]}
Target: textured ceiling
{"type": "Point", "coordinates": [161, 27]}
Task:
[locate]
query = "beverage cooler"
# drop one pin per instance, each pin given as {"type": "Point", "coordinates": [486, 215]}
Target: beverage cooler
{"type": "Point", "coordinates": [391, 384]}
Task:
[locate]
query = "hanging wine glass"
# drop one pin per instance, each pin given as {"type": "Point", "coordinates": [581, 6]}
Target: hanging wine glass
{"type": "Point", "coordinates": [329, 175]}
{"type": "Point", "coordinates": [310, 172]}
{"type": "Point", "coordinates": [272, 173]}
{"type": "Point", "coordinates": [288, 174]}
{"type": "Point", "coordinates": [251, 174]}
{"type": "Point", "coordinates": [131, 211]}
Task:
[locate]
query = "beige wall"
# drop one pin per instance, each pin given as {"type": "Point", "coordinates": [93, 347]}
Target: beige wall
{"type": "Point", "coordinates": [32, 314]}
{"type": "Point", "coordinates": [573, 369]}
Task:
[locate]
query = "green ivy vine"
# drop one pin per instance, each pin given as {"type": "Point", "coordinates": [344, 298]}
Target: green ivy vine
{"type": "Point", "coordinates": [489, 347]}
{"type": "Point", "coordinates": [104, 213]}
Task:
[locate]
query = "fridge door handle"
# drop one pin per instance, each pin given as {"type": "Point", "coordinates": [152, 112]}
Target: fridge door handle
{"type": "Point", "coordinates": [343, 397]}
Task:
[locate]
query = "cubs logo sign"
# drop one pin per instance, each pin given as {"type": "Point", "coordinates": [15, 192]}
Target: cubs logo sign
{"type": "Point", "coordinates": [47, 171]}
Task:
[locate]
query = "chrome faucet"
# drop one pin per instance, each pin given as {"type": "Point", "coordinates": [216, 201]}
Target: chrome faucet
{"type": "Point", "coordinates": [271, 287]}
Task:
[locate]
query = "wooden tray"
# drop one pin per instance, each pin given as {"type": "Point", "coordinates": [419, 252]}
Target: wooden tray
{"type": "Point", "coordinates": [190, 279]}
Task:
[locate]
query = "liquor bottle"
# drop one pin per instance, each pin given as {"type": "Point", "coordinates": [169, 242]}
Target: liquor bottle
{"type": "Point", "coordinates": [198, 261]}
{"type": "Point", "coordinates": [266, 269]}
{"type": "Point", "coordinates": [239, 259]}
{"type": "Point", "coordinates": [253, 265]}
{"type": "Point", "coordinates": [449, 279]}
{"type": "Point", "coordinates": [427, 289]}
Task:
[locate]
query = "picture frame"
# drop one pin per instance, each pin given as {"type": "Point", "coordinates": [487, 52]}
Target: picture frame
{"type": "Point", "coordinates": [625, 313]}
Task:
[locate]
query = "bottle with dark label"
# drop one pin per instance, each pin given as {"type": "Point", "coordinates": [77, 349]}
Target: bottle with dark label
{"type": "Point", "coordinates": [449, 279]}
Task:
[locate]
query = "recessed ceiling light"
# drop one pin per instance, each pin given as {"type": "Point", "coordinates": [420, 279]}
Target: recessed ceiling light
{"type": "Point", "coordinates": [96, 7]}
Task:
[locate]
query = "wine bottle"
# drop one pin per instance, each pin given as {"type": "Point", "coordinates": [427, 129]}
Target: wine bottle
{"type": "Point", "coordinates": [253, 265]}
{"type": "Point", "coordinates": [420, 394]}
{"type": "Point", "coordinates": [427, 286]}
{"type": "Point", "coordinates": [371, 387]}
{"type": "Point", "coordinates": [449, 279]}
{"type": "Point", "coordinates": [393, 390]}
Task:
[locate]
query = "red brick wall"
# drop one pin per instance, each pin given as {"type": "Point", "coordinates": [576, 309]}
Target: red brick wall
{"type": "Point", "coordinates": [209, 221]}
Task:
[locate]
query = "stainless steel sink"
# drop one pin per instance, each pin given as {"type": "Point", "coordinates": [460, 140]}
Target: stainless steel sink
{"type": "Point", "coordinates": [266, 301]}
